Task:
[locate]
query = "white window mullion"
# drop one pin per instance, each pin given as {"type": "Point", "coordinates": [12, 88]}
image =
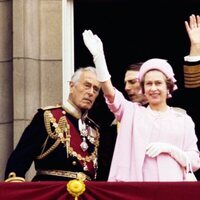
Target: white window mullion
{"type": "Point", "coordinates": [67, 46]}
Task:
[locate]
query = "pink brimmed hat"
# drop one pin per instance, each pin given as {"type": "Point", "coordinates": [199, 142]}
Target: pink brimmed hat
{"type": "Point", "coordinates": [159, 64]}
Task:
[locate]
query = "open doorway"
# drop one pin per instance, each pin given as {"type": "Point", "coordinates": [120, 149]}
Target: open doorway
{"type": "Point", "coordinates": [135, 31]}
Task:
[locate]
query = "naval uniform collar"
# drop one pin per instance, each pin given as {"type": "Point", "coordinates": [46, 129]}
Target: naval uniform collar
{"type": "Point", "coordinates": [70, 108]}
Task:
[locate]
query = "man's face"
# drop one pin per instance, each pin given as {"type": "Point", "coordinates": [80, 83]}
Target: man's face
{"type": "Point", "coordinates": [132, 86]}
{"type": "Point", "coordinates": [84, 92]}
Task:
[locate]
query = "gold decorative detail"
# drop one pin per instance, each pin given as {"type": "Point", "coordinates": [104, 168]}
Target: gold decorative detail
{"type": "Point", "coordinates": [13, 178]}
{"type": "Point", "coordinates": [192, 76]}
{"type": "Point", "coordinates": [68, 174]}
{"type": "Point", "coordinates": [60, 127]}
{"type": "Point", "coordinates": [92, 156]}
{"type": "Point", "coordinates": [61, 132]}
{"type": "Point", "coordinates": [47, 152]}
{"type": "Point", "coordinates": [51, 107]}
{"type": "Point", "coordinates": [75, 188]}
{"type": "Point", "coordinates": [81, 176]}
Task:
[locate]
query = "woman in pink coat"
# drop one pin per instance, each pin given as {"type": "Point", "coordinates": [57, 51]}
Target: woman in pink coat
{"type": "Point", "coordinates": [154, 142]}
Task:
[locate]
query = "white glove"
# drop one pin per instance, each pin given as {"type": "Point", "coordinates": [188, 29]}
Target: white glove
{"type": "Point", "coordinates": [95, 46]}
{"type": "Point", "coordinates": [154, 149]}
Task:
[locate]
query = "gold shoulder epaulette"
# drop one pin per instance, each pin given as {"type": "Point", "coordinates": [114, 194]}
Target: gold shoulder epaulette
{"type": "Point", "coordinates": [179, 110]}
{"type": "Point", "coordinates": [51, 107]}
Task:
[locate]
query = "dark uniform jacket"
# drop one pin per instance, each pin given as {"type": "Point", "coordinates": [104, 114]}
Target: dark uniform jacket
{"type": "Point", "coordinates": [52, 141]}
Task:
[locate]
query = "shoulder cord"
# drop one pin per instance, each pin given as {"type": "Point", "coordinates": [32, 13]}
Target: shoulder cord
{"type": "Point", "coordinates": [60, 128]}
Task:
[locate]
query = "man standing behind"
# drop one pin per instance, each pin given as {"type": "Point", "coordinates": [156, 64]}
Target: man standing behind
{"type": "Point", "coordinates": [132, 84]}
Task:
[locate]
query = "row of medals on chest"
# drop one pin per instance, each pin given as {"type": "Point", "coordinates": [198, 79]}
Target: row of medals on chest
{"type": "Point", "coordinates": [85, 131]}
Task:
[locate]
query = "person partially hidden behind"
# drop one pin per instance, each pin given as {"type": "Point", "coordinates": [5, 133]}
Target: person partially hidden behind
{"type": "Point", "coordinates": [152, 139]}
{"type": "Point", "coordinates": [192, 61]}
{"type": "Point", "coordinates": [132, 87]}
{"type": "Point", "coordinates": [61, 140]}
{"type": "Point", "coordinates": [132, 84]}
{"type": "Point", "coordinates": [191, 70]}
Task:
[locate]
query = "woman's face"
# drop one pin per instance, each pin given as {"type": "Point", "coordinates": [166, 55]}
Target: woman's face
{"type": "Point", "coordinates": [155, 87]}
